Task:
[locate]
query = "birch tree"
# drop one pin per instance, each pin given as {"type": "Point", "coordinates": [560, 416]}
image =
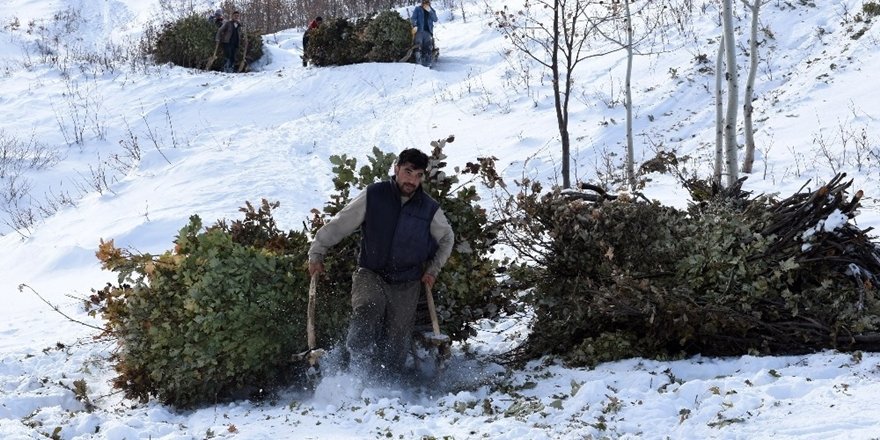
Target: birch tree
{"type": "Point", "coordinates": [749, 158]}
{"type": "Point", "coordinates": [730, 145]}
{"type": "Point", "coordinates": [630, 151]}
{"type": "Point", "coordinates": [719, 113]}
{"type": "Point", "coordinates": [651, 24]}
{"type": "Point", "coordinates": [558, 43]}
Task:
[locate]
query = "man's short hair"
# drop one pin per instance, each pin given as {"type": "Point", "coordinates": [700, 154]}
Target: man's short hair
{"type": "Point", "coordinates": [414, 157]}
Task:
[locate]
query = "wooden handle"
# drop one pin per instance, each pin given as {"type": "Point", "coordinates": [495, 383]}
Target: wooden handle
{"type": "Point", "coordinates": [432, 311]}
{"type": "Point", "coordinates": [243, 57]}
{"type": "Point", "coordinates": [310, 325]}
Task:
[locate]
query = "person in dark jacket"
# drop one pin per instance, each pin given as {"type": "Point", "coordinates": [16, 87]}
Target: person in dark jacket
{"type": "Point", "coordinates": [405, 240]}
{"type": "Point", "coordinates": [312, 26]}
{"type": "Point", "coordinates": [423, 19]}
{"type": "Point", "coordinates": [230, 34]}
{"type": "Point", "coordinates": [217, 18]}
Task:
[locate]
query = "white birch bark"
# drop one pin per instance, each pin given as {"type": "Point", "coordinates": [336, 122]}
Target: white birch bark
{"type": "Point", "coordinates": [749, 158]}
{"type": "Point", "coordinates": [630, 151]}
{"type": "Point", "coordinates": [730, 120]}
{"type": "Point", "coordinates": [719, 113]}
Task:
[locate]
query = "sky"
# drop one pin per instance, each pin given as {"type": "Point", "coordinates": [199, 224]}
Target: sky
{"type": "Point", "coordinates": [208, 142]}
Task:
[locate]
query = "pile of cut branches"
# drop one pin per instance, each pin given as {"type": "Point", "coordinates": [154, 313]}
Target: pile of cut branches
{"type": "Point", "coordinates": [729, 276]}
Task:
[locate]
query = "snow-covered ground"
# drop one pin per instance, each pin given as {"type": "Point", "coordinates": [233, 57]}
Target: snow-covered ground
{"type": "Point", "coordinates": [208, 142]}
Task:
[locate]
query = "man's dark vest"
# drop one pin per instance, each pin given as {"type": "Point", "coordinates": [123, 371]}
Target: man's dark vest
{"type": "Point", "coordinates": [233, 39]}
{"type": "Point", "coordinates": [426, 18]}
{"type": "Point", "coordinates": [396, 239]}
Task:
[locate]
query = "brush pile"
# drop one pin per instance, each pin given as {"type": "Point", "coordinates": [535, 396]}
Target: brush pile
{"type": "Point", "coordinates": [731, 275]}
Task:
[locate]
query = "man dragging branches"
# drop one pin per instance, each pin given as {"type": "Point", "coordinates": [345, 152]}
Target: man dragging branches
{"type": "Point", "coordinates": [405, 240]}
{"type": "Point", "coordinates": [423, 20]}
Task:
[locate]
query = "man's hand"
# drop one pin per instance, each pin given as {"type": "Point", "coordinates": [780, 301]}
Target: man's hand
{"type": "Point", "coordinates": [315, 268]}
{"type": "Point", "coordinates": [429, 280]}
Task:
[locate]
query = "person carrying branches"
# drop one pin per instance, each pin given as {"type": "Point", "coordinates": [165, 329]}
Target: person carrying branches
{"type": "Point", "coordinates": [315, 24]}
{"type": "Point", "coordinates": [423, 19]}
{"type": "Point", "coordinates": [405, 241]}
{"type": "Point", "coordinates": [230, 34]}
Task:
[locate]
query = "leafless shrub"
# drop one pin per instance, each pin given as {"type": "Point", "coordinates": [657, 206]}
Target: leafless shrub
{"type": "Point", "coordinates": [799, 160]}
{"type": "Point", "coordinates": [867, 149]}
{"type": "Point", "coordinates": [105, 61]}
{"type": "Point", "coordinates": [13, 25]}
{"type": "Point", "coordinates": [96, 179]}
{"type": "Point", "coordinates": [170, 124]}
{"type": "Point", "coordinates": [131, 152]}
{"type": "Point", "coordinates": [17, 155]}
{"type": "Point", "coordinates": [70, 125]}
{"type": "Point", "coordinates": [53, 41]}
{"type": "Point", "coordinates": [608, 169]}
{"type": "Point", "coordinates": [822, 146]}
{"type": "Point", "coordinates": [20, 218]}
{"type": "Point", "coordinates": [847, 145]}
{"type": "Point", "coordinates": [765, 154]}
{"type": "Point", "coordinates": [53, 201]}
{"type": "Point", "coordinates": [611, 99]}
{"type": "Point", "coordinates": [68, 20]}
{"type": "Point", "coordinates": [82, 109]}
{"type": "Point", "coordinates": [521, 73]}
{"type": "Point", "coordinates": [14, 189]}
{"type": "Point", "coordinates": [154, 137]}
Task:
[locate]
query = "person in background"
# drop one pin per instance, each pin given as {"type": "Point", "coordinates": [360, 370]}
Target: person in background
{"type": "Point", "coordinates": [313, 25]}
{"type": "Point", "coordinates": [217, 18]}
{"type": "Point", "coordinates": [423, 19]}
{"type": "Point", "coordinates": [405, 241]}
{"type": "Point", "coordinates": [230, 34]}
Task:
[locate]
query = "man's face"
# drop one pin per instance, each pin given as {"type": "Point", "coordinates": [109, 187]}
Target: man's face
{"type": "Point", "coordinates": [408, 178]}
{"type": "Point", "coordinates": [235, 16]}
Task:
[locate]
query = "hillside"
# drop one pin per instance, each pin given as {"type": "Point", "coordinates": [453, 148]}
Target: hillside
{"type": "Point", "coordinates": [129, 151]}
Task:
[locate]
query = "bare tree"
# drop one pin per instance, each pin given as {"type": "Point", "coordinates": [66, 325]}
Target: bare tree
{"type": "Point", "coordinates": [726, 154]}
{"type": "Point", "coordinates": [630, 150]}
{"type": "Point", "coordinates": [730, 145]}
{"type": "Point", "coordinates": [268, 16]}
{"type": "Point", "coordinates": [749, 158]}
{"type": "Point", "coordinates": [558, 46]}
{"type": "Point", "coordinates": [651, 24]}
{"type": "Point", "coordinates": [719, 113]}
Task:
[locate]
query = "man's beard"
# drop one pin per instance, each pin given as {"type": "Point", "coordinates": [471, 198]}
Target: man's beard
{"type": "Point", "coordinates": [407, 189]}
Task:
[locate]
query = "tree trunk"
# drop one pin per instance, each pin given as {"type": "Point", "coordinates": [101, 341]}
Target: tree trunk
{"type": "Point", "coordinates": [561, 111]}
{"type": "Point", "coordinates": [749, 159]}
{"type": "Point", "coordinates": [719, 114]}
{"type": "Point", "coordinates": [732, 96]}
{"type": "Point", "coordinates": [630, 160]}
{"type": "Point", "coordinates": [558, 46]}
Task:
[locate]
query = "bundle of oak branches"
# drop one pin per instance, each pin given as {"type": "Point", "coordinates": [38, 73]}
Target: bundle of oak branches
{"type": "Point", "coordinates": [734, 274]}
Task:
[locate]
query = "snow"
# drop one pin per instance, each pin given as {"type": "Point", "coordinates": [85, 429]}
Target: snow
{"type": "Point", "coordinates": [210, 141]}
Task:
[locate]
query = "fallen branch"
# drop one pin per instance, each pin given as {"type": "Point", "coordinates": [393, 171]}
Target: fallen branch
{"type": "Point", "coordinates": [21, 288]}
